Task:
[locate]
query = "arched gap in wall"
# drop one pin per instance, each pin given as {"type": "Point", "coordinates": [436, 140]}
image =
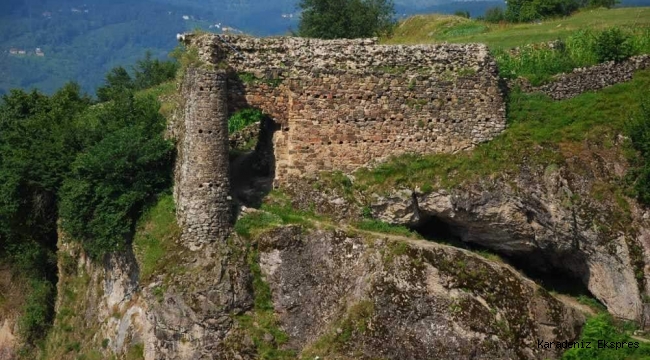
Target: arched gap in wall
{"type": "Point", "coordinates": [252, 160]}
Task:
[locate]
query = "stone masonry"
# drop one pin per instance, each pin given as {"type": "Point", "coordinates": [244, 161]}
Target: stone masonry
{"type": "Point", "coordinates": [581, 80]}
{"type": "Point", "coordinates": [345, 104]}
{"type": "Point", "coordinates": [337, 105]}
{"type": "Point", "coordinates": [202, 189]}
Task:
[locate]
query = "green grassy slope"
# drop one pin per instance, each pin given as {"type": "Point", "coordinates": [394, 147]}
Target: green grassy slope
{"type": "Point", "coordinates": [447, 28]}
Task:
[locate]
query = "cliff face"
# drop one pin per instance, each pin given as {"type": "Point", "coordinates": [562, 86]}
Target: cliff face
{"type": "Point", "coordinates": [351, 295]}
{"type": "Point", "coordinates": [549, 219]}
{"type": "Point", "coordinates": [568, 218]}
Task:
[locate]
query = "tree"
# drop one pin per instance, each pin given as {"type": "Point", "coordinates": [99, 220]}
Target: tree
{"type": "Point", "coordinates": [603, 3]}
{"type": "Point", "coordinates": [494, 15]}
{"type": "Point", "coordinates": [346, 19]}
{"type": "Point", "coordinates": [117, 81]}
{"type": "Point", "coordinates": [530, 10]}
{"type": "Point", "coordinates": [112, 180]}
{"type": "Point", "coordinates": [151, 72]}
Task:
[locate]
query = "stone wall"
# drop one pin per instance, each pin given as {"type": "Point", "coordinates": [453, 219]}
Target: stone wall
{"type": "Point", "coordinates": [202, 189]}
{"type": "Point", "coordinates": [344, 104]}
{"type": "Point", "coordinates": [566, 86]}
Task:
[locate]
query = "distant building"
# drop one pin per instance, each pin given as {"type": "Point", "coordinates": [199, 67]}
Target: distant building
{"type": "Point", "coordinates": [185, 17]}
{"type": "Point", "coordinates": [13, 51]}
{"type": "Point", "coordinates": [47, 14]}
{"type": "Point", "coordinates": [39, 52]}
{"type": "Point", "coordinates": [22, 52]}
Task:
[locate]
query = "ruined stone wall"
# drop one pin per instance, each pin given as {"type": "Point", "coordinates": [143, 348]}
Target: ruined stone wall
{"type": "Point", "coordinates": [344, 104]}
{"type": "Point", "coordinates": [202, 191]}
{"type": "Point", "coordinates": [566, 86]}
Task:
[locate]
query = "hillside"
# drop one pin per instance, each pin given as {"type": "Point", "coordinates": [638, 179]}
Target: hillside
{"type": "Point", "coordinates": [421, 29]}
{"type": "Point", "coordinates": [499, 215]}
{"type": "Point", "coordinates": [81, 41]}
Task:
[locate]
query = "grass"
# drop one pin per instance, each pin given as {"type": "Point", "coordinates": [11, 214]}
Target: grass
{"type": "Point", "coordinates": [602, 327]}
{"type": "Point", "coordinates": [262, 324]}
{"type": "Point", "coordinates": [540, 132]}
{"type": "Point", "coordinates": [355, 322]}
{"type": "Point", "coordinates": [385, 228]}
{"type": "Point", "coordinates": [155, 238]}
{"type": "Point", "coordinates": [447, 28]}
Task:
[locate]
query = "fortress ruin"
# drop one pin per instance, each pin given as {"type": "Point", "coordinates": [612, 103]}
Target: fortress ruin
{"type": "Point", "coordinates": [337, 105]}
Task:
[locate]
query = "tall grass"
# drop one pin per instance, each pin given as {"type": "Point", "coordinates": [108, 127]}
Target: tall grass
{"type": "Point", "coordinates": [538, 63]}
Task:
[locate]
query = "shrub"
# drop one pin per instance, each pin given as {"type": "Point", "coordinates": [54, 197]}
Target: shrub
{"type": "Point", "coordinates": [612, 45]}
{"type": "Point", "coordinates": [462, 13]}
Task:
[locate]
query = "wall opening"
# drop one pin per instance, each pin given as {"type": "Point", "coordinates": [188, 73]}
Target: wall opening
{"type": "Point", "coordinates": [252, 170]}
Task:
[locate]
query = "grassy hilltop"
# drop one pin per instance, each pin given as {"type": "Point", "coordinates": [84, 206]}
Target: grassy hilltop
{"type": "Point", "coordinates": [435, 28]}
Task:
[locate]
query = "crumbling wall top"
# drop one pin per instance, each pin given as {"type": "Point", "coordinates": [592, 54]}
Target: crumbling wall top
{"type": "Point", "coordinates": [302, 55]}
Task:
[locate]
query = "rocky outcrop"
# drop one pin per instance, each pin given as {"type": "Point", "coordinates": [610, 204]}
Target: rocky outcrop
{"type": "Point", "coordinates": [184, 312]}
{"type": "Point", "coordinates": [191, 309]}
{"type": "Point", "coordinates": [548, 219]}
{"type": "Point", "coordinates": [566, 86]}
{"type": "Point", "coordinates": [365, 296]}
{"type": "Point", "coordinates": [8, 339]}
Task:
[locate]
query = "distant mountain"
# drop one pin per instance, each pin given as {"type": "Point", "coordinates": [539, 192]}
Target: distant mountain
{"type": "Point", "coordinates": [44, 43]}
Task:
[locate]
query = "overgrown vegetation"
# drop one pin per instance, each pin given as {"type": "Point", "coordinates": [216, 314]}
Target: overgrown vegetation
{"type": "Point", "coordinates": [638, 130]}
{"type": "Point", "coordinates": [582, 48]}
{"type": "Point", "coordinates": [438, 28]}
{"type": "Point", "coordinates": [539, 133]}
{"type": "Point", "coordinates": [601, 328]}
{"type": "Point", "coordinates": [94, 166]}
{"type": "Point", "coordinates": [243, 118]}
{"type": "Point", "coordinates": [155, 238]}
{"type": "Point", "coordinates": [382, 227]}
{"type": "Point", "coordinates": [112, 181]}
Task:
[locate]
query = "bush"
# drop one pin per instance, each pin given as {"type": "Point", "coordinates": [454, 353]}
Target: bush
{"type": "Point", "coordinates": [612, 45]}
{"type": "Point", "coordinates": [462, 13]}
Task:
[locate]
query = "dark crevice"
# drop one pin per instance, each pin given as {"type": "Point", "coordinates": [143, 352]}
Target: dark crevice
{"type": "Point", "coordinates": [561, 273]}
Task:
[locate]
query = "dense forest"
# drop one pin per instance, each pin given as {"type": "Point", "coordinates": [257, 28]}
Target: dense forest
{"type": "Point", "coordinates": [93, 165]}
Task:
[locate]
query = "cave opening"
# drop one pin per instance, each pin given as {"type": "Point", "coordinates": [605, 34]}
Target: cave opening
{"type": "Point", "coordinates": [542, 266]}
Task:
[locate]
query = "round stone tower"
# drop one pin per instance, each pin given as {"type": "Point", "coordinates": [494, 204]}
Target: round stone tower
{"type": "Point", "coordinates": [202, 175]}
